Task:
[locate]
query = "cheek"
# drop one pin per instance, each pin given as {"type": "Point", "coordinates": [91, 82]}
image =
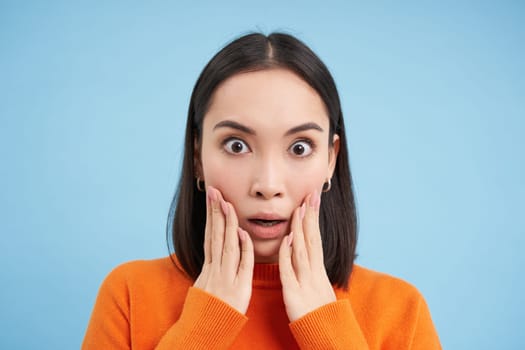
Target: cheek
{"type": "Point", "coordinates": [305, 181]}
{"type": "Point", "coordinates": [230, 181]}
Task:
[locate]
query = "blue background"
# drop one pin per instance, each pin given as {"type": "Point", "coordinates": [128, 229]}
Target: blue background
{"type": "Point", "coordinates": [93, 98]}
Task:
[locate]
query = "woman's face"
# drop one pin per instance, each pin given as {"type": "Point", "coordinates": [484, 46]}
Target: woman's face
{"type": "Point", "coordinates": [265, 147]}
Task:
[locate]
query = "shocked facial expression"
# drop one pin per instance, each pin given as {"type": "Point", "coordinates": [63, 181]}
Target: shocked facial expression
{"type": "Point", "coordinates": [265, 145]}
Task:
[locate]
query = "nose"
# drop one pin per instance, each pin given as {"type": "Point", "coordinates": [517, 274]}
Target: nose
{"type": "Point", "coordinates": [267, 179]}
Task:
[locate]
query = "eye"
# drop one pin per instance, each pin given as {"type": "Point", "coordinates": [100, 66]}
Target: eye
{"type": "Point", "coordinates": [236, 146]}
{"type": "Point", "coordinates": [301, 148]}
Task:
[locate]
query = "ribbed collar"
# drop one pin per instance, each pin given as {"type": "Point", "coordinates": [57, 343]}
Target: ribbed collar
{"type": "Point", "coordinates": [266, 276]}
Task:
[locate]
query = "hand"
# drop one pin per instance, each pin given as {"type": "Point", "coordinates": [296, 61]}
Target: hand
{"type": "Point", "coordinates": [228, 269]}
{"type": "Point", "coordinates": [305, 283]}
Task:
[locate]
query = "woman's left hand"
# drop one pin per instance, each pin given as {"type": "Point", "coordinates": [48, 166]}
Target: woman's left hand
{"type": "Point", "coordinates": [306, 286]}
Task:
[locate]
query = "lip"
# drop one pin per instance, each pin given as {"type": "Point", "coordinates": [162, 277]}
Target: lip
{"type": "Point", "coordinates": [267, 216]}
{"type": "Point", "coordinates": [266, 232]}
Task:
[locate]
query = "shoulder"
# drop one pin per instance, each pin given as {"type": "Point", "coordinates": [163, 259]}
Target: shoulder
{"type": "Point", "coordinates": [374, 291]}
{"type": "Point", "coordinates": [146, 272]}
{"type": "Point", "coordinates": [366, 280]}
{"type": "Point", "coordinates": [391, 310]}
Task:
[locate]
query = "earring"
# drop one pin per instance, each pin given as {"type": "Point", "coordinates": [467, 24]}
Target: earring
{"type": "Point", "coordinates": [327, 185]}
{"type": "Point", "coordinates": [199, 186]}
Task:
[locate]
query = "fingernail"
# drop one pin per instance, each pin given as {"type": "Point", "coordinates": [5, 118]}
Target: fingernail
{"type": "Point", "coordinates": [315, 199]}
{"type": "Point", "coordinates": [224, 207]}
{"type": "Point", "coordinates": [241, 234]}
{"type": "Point", "coordinates": [212, 195]}
{"type": "Point", "coordinates": [289, 239]}
{"type": "Point", "coordinates": [303, 210]}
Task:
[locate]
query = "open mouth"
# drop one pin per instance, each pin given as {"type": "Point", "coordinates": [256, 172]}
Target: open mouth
{"type": "Point", "coordinates": [264, 226]}
{"type": "Point", "coordinates": [266, 223]}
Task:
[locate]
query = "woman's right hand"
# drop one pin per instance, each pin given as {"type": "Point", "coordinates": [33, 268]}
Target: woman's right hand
{"type": "Point", "coordinates": [227, 270]}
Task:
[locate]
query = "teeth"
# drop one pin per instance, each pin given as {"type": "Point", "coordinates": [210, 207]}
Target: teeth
{"type": "Point", "coordinates": [267, 223]}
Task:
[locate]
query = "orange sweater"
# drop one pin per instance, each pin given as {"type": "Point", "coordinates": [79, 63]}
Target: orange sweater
{"type": "Point", "coordinates": [152, 305]}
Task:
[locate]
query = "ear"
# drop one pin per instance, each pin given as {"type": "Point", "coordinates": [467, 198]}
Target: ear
{"type": "Point", "coordinates": [332, 155]}
{"type": "Point", "coordinates": [197, 164]}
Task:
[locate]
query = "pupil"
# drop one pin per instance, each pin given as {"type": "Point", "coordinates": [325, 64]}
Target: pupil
{"type": "Point", "coordinates": [237, 147]}
{"type": "Point", "coordinates": [299, 149]}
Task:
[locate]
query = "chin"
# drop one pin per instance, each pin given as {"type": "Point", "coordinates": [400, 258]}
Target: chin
{"type": "Point", "coordinates": [267, 251]}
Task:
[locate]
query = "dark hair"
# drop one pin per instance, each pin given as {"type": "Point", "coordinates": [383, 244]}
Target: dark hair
{"type": "Point", "coordinates": [337, 218]}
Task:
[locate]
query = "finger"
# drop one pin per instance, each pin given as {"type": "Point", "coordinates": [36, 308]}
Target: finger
{"type": "Point", "coordinates": [230, 251]}
{"type": "Point", "coordinates": [217, 230]}
{"type": "Point", "coordinates": [300, 258]}
{"type": "Point", "coordinates": [312, 233]}
{"type": "Point", "coordinates": [245, 271]}
{"type": "Point", "coordinates": [202, 279]}
{"type": "Point", "coordinates": [286, 271]}
{"type": "Point", "coordinates": [207, 229]}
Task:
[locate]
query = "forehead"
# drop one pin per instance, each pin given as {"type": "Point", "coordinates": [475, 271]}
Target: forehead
{"type": "Point", "coordinates": [271, 97]}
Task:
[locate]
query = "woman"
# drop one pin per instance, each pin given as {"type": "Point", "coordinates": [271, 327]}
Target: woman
{"type": "Point", "coordinates": [263, 225]}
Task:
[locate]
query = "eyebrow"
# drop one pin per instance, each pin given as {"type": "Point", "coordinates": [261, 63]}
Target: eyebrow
{"type": "Point", "coordinates": [234, 125]}
{"type": "Point", "coordinates": [304, 127]}
{"type": "Point", "coordinates": [238, 126]}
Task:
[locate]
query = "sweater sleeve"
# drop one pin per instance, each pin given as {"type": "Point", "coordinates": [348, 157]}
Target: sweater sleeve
{"type": "Point", "coordinates": [332, 326]}
{"type": "Point", "coordinates": [424, 336]}
{"type": "Point", "coordinates": [205, 322]}
{"type": "Point", "coordinates": [109, 326]}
